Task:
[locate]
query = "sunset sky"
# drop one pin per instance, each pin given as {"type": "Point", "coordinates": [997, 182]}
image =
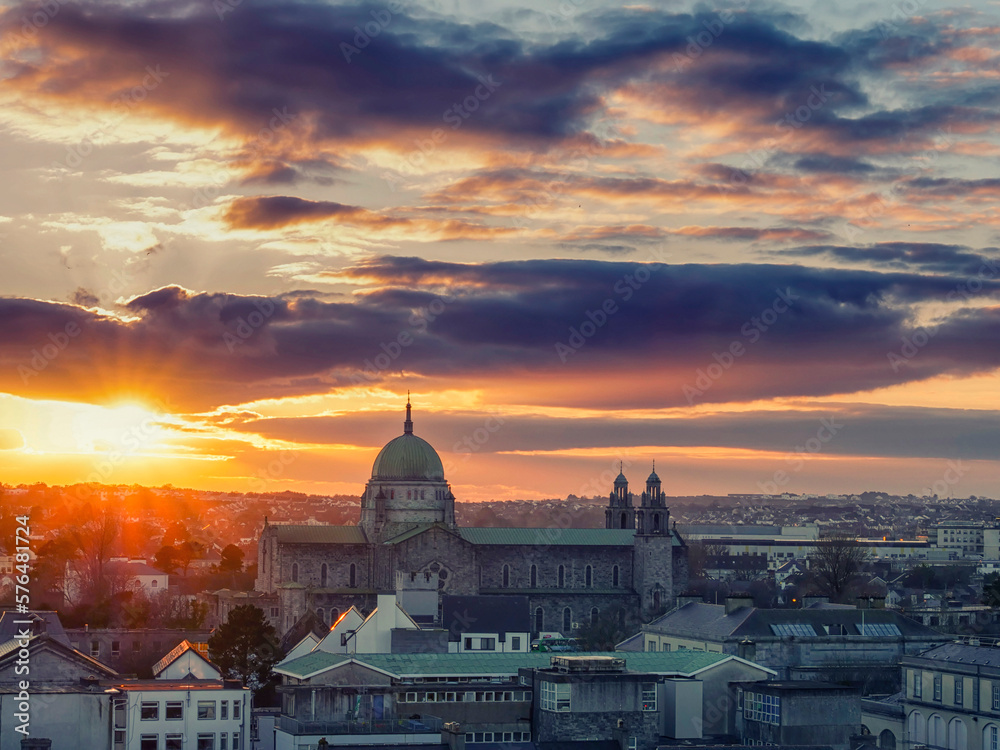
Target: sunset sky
{"type": "Point", "coordinates": [233, 234]}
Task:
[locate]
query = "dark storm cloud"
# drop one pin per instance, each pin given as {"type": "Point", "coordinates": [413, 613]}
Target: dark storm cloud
{"type": "Point", "coordinates": [896, 432]}
{"type": "Point", "coordinates": [503, 320]}
{"type": "Point", "coordinates": [925, 256]}
{"type": "Point", "coordinates": [294, 61]}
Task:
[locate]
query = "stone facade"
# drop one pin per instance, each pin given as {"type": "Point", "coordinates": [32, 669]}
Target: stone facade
{"type": "Point", "coordinates": [408, 539]}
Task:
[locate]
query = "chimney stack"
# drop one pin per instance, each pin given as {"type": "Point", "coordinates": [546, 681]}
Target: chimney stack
{"type": "Point", "coordinates": [738, 601]}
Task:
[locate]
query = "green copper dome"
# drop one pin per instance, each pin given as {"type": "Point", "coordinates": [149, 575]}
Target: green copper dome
{"type": "Point", "coordinates": [408, 457]}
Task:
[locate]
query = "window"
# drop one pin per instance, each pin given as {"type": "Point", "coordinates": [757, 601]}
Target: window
{"type": "Point", "coordinates": [534, 576]}
{"type": "Point", "coordinates": [937, 687]}
{"type": "Point", "coordinates": [119, 708]}
{"type": "Point", "coordinates": [119, 739]}
{"type": "Point", "coordinates": [223, 741]}
{"type": "Point", "coordinates": [149, 742]}
{"type": "Point", "coordinates": [594, 614]}
{"type": "Point", "coordinates": [174, 742]}
{"type": "Point", "coordinates": [321, 615]}
{"type": "Point", "coordinates": [562, 576]}
{"type": "Point", "coordinates": [236, 709]}
{"type": "Point", "coordinates": [614, 576]}
{"type": "Point", "coordinates": [959, 685]}
{"type": "Point", "coordinates": [515, 643]}
{"type": "Point", "coordinates": [996, 697]}
{"type": "Point", "coordinates": [95, 649]}
{"type": "Point", "coordinates": [206, 742]}
{"type": "Point", "coordinates": [136, 647]}
{"type": "Point", "coordinates": [648, 696]}
{"type": "Point", "coordinates": [149, 711]}
{"type": "Point", "coordinates": [206, 710]}
{"type": "Point", "coordinates": [468, 644]}
{"type": "Point", "coordinates": [487, 644]}
{"type": "Point", "coordinates": [762, 707]}
{"type": "Point", "coordinates": [918, 686]}
{"type": "Point", "coordinates": [274, 611]}
{"type": "Point", "coordinates": [990, 738]}
{"type": "Point", "coordinates": [295, 579]}
{"type": "Point", "coordinates": [555, 696]}
{"type": "Point", "coordinates": [224, 709]}
{"type": "Point", "coordinates": [506, 576]}
{"type": "Point", "coordinates": [236, 741]}
{"type": "Point", "coordinates": [322, 574]}
{"type": "Point", "coordinates": [353, 576]}
{"type": "Point", "coordinates": [539, 620]}
{"type": "Point", "coordinates": [567, 620]}
{"type": "Point", "coordinates": [651, 645]}
{"type": "Point", "coordinates": [116, 648]}
{"type": "Point", "coordinates": [589, 577]}
{"type": "Point", "coordinates": [154, 583]}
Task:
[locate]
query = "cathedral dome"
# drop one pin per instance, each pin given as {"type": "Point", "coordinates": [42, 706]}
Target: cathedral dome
{"type": "Point", "coordinates": [408, 458]}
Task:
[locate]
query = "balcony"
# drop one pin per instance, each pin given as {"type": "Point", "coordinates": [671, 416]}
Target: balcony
{"type": "Point", "coordinates": [347, 724]}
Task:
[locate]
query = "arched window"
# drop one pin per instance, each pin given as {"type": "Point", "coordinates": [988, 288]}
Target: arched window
{"type": "Point", "coordinates": [656, 599]}
{"type": "Point", "coordinates": [353, 576]}
{"type": "Point", "coordinates": [594, 614]}
{"type": "Point", "coordinates": [916, 728]}
{"type": "Point", "coordinates": [614, 576]}
{"type": "Point", "coordinates": [562, 576]}
{"type": "Point", "coordinates": [958, 736]}
{"type": "Point", "coordinates": [295, 572]}
{"type": "Point", "coordinates": [334, 616]}
{"type": "Point", "coordinates": [320, 613]}
{"type": "Point", "coordinates": [506, 576]}
{"type": "Point", "coordinates": [887, 740]}
{"type": "Point", "coordinates": [567, 620]}
{"type": "Point", "coordinates": [534, 576]}
{"type": "Point", "coordinates": [589, 576]}
{"type": "Point", "coordinates": [935, 731]}
{"type": "Point", "coordinates": [991, 736]}
{"type": "Point", "coordinates": [322, 575]}
{"type": "Point", "coordinates": [624, 520]}
{"type": "Point", "coordinates": [540, 622]}
{"type": "Point", "coordinates": [656, 522]}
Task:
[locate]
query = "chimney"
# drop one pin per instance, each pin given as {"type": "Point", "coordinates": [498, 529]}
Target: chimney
{"type": "Point", "coordinates": [689, 599]}
{"type": "Point", "coordinates": [747, 649]}
{"type": "Point", "coordinates": [737, 601]}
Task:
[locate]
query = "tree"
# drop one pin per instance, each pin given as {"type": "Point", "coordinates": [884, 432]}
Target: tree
{"type": "Point", "coordinates": [166, 559]}
{"type": "Point", "coordinates": [245, 647]}
{"type": "Point", "coordinates": [232, 559]}
{"type": "Point", "coordinates": [610, 629]}
{"type": "Point", "coordinates": [835, 564]}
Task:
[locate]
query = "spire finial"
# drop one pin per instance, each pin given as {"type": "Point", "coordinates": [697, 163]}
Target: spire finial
{"type": "Point", "coordinates": [408, 424]}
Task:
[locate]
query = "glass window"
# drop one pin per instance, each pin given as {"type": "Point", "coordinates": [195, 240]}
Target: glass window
{"type": "Point", "coordinates": [149, 742]}
{"type": "Point", "coordinates": [175, 710]}
{"type": "Point", "coordinates": [648, 696]}
{"type": "Point", "coordinates": [937, 687]}
{"type": "Point", "coordinates": [555, 696]}
{"type": "Point", "coordinates": [236, 741]}
{"type": "Point", "coordinates": [174, 742]}
{"type": "Point", "coordinates": [206, 710]}
{"type": "Point", "coordinates": [959, 686]}
{"type": "Point", "coordinates": [918, 686]}
{"type": "Point", "coordinates": [223, 741]}
{"type": "Point", "coordinates": [223, 711]}
{"type": "Point", "coordinates": [236, 709]}
{"type": "Point", "coordinates": [116, 648]}
{"type": "Point", "coordinates": [996, 697]}
{"type": "Point", "coordinates": [206, 741]}
{"type": "Point", "coordinates": [515, 643]}
{"type": "Point", "coordinates": [488, 644]}
{"type": "Point", "coordinates": [149, 711]}
{"type": "Point", "coordinates": [761, 707]}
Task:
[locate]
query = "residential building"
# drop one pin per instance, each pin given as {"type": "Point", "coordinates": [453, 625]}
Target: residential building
{"type": "Point", "coordinates": [822, 642]}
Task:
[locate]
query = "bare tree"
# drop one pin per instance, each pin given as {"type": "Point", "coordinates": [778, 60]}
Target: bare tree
{"type": "Point", "coordinates": [835, 564]}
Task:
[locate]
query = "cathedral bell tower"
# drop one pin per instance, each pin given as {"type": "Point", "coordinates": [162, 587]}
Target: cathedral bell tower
{"type": "Point", "coordinates": [620, 514]}
{"type": "Point", "coordinates": [652, 553]}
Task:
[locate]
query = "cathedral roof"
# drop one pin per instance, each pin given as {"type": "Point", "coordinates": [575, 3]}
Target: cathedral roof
{"type": "Point", "coordinates": [318, 534]}
{"type": "Point", "coordinates": [408, 457]}
{"type": "Point", "coordinates": [545, 537]}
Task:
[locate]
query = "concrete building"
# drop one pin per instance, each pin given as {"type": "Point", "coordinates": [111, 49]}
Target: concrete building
{"type": "Point", "coordinates": [822, 642]}
{"type": "Point", "coordinates": [133, 650]}
{"type": "Point", "coordinates": [487, 623]}
{"type": "Point", "coordinates": [798, 712]}
{"type": "Point", "coordinates": [408, 699]}
{"type": "Point", "coordinates": [407, 541]}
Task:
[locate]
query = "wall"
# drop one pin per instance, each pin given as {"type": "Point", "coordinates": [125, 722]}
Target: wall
{"type": "Point", "coordinates": [58, 716]}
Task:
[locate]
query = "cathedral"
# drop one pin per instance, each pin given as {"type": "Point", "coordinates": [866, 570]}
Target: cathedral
{"type": "Point", "coordinates": [408, 542]}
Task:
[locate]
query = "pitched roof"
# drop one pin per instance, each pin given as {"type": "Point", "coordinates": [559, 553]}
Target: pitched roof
{"type": "Point", "coordinates": [420, 529]}
{"type": "Point", "coordinates": [711, 621]}
{"type": "Point", "coordinates": [288, 533]}
{"type": "Point", "coordinates": [178, 651]}
{"type": "Point", "coordinates": [9, 627]}
{"type": "Point", "coordinates": [545, 537]}
{"type": "Point", "coordinates": [987, 656]}
{"type": "Point", "coordinates": [685, 662]}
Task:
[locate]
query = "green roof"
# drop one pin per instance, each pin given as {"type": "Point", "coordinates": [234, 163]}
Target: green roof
{"type": "Point", "coordinates": [544, 537]}
{"type": "Point", "coordinates": [684, 662]}
{"type": "Point", "coordinates": [407, 457]}
{"type": "Point", "coordinates": [419, 529]}
{"type": "Point", "coordinates": [318, 534]}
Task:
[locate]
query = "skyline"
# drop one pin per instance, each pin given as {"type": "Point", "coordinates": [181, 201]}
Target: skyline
{"type": "Point", "coordinates": [756, 245]}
